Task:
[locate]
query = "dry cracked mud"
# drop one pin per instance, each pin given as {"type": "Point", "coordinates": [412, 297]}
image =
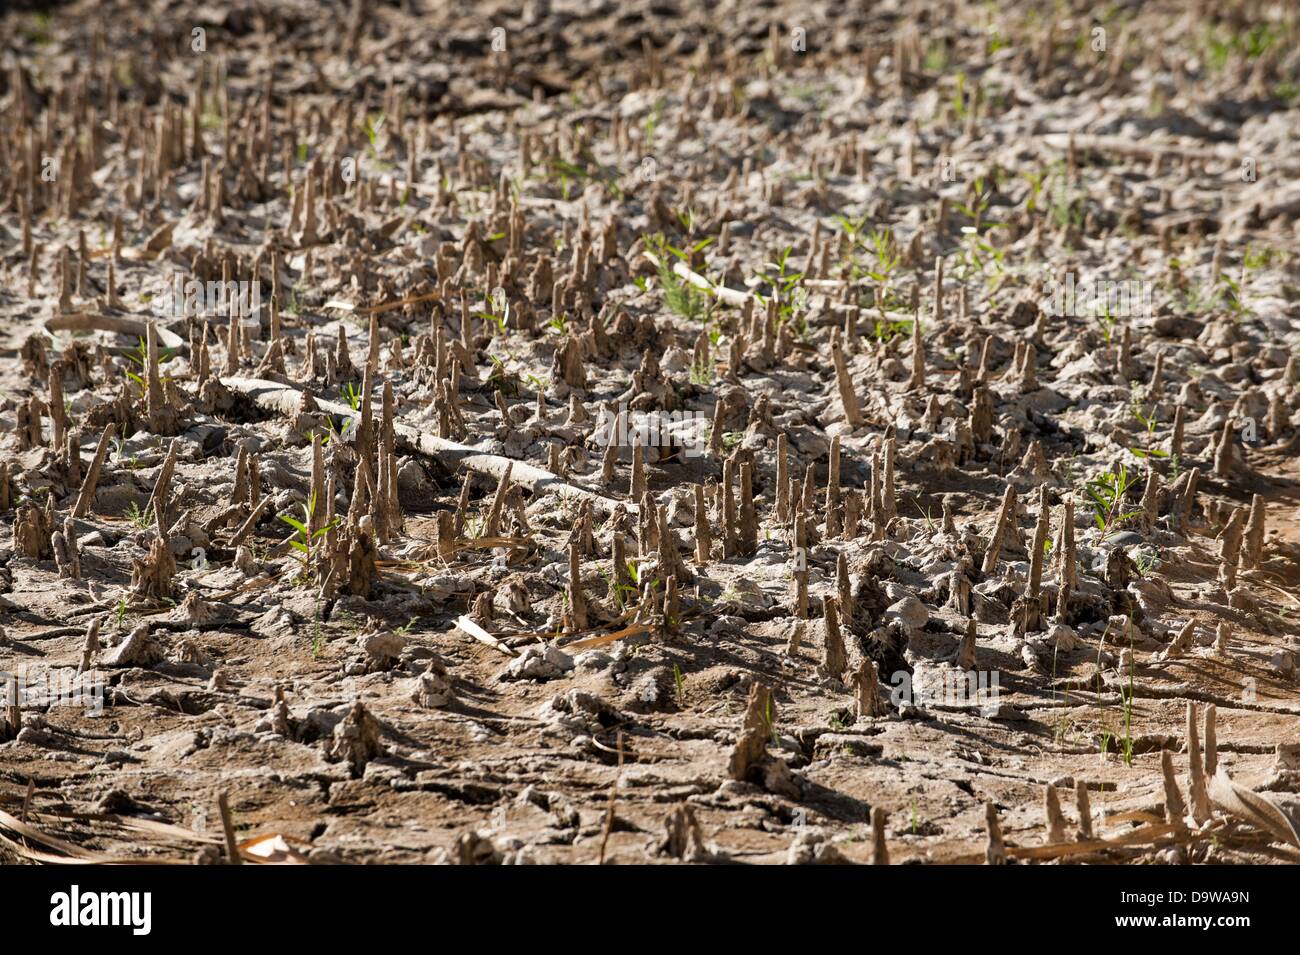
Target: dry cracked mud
{"type": "Point", "coordinates": [652, 432]}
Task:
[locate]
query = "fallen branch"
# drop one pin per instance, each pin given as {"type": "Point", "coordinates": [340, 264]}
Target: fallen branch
{"type": "Point", "coordinates": [285, 400]}
{"type": "Point", "coordinates": [85, 322]}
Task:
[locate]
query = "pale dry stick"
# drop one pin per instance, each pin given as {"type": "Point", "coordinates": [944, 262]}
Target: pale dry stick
{"type": "Point", "coordinates": [729, 513]}
{"type": "Point", "coordinates": [1183, 509]}
{"type": "Point", "coordinates": [607, 462]}
{"type": "Point", "coordinates": [1230, 539]}
{"type": "Point", "coordinates": [720, 292]}
{"type": "Point", "coordinates": [468, 626]}
{"type": "Point", "coordinates": [964, 658]}
{"type": "Point", "coordinates": [1175, 449]}
{"type": "Point", "coordinates": [844, 589]}
{"type": "Point", "coordinates": [795, 640]}
{"type": "Point", "coordinates": [1223, 454]}
{"type": "Point", "coordinates": [66, 556]}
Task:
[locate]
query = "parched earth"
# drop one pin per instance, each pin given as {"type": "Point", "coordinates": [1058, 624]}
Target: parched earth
{"type": "Point", "coordinates": [650, 432]}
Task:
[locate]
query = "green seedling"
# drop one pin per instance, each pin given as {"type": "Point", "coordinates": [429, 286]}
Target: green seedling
{"type": "Point", "coordinates": [925, 515]}
{"type": "Point", "coordinates": [136, 516]}
{"type": "Point", "coordinates": [139, 357]}
{"type": "Point", "coordinates": [302, 542]}
{"type": "Point", "coordinates": [1148, 422]}
{"type": "Point", "coordinates": [498, 320]}
{"type": "Point", "coordinates": [1107, 494]}
{"type": "Point", "coordinates": [680, 296]}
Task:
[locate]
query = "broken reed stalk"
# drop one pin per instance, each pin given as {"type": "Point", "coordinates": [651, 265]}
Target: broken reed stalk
{"type": "Point", "coordinates": [1196, 770]}
{"type": "Point", "coordinates": [228, 830]}
{"type": "Point", "coordinates": [996, 851]}
{"type": "Point", "coordinates": [782, 478]}
{"type": "Point", "coordinates": [703, 535]}
{"type": "Point", "coordinates": [1055, 820]}
{"type": "Point", "coordinates": [87, 494]}
{"type": "Point", "coordinates": [835, 660]}
{"type": "Point", "coordinates": [1211, 742]}
{"type": "Point", "coordinates": [1175, 808]}
{"type": "Point", "coordinates": [1006, 514]}
{"type": "Point", "coordinates": [1084, 807]}
{"type": "Point", "coordinates": [577, 599]}
{"type": "Point", "coordinates": [879, 848]}
{"type": "Point", "coordinates": [493, 520]}
{"type": "Point", "coordinates": [613, 798]}
{"type": "Point", "coordinates": [848, 397]}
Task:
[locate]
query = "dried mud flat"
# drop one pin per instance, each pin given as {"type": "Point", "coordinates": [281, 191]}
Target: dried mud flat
{"type": "Point", "coordinates": [641, 399]}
